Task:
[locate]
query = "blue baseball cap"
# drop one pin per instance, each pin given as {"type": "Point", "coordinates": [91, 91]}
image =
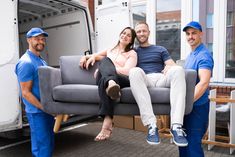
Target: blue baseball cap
{"type": "Point", "coordinates": [193, 24]}
{"type": "Point", "coordinates": [35, 32]}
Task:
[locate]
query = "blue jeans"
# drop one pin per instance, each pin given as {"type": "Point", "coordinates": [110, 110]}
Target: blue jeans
{"type": "Point", "coordinates": [42, 135]}
{"type": "Point", "coordinates": [196, 124]}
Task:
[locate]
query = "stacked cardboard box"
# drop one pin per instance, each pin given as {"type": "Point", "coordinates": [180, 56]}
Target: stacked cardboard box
{"type": "Point", "coordinates": [134, 122]}
{"type": "Point", "coordinates": [138, 125]}
{"type": "Point", "coordinates": [123, 122]}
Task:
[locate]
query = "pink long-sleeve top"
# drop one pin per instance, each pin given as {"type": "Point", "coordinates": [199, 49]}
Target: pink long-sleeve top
{"type": "Point", "coordinates": [123, 61]}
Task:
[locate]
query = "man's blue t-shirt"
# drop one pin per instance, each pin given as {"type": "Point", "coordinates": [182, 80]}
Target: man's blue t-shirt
{"type": "Point", "coordinates": [200, 58]}
{"type": "Point", "coordinates": [151, 59]}
{"type": "Point", "coordinates": [27, 70]}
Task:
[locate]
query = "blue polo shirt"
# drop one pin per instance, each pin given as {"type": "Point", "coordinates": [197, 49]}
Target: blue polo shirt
{"type": "Point", "coordinates": [151, 59]}
{"type": "Point", "coordinates": [200, 58]}
{"type": "Point", "coordinates": [27, 70]}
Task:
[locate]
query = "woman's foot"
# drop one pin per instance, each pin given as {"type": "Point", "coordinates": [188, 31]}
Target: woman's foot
{"type": "Point", "coordinates": [106, 130]}
{"type": "Point", "coordinates": [113, 90]}
{"type": "Point", "coordinates": [104, 134]}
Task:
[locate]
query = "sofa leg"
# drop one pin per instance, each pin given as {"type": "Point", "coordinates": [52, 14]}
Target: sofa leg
{"type": "Point", "coordinates": [65, 117]}
{"type": "Point", "coordinates": [58, 121]}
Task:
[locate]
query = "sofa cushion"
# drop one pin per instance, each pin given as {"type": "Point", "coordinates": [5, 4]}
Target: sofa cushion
{"type": "Point", "coordinates": [76, 93]}
{"type": "Point", "coordinates": [79, 93]}
{"type": "Point", "coordinates": [158, 95]}
{"type": "Point", "coordinates": [71, 73]}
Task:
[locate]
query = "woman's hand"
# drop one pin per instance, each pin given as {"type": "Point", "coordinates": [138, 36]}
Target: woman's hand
{"type": "Point", "coordinates": [90, 61]}
{"type": "Point", "coordinates": [82, 62]}
{"type": "Point", "coordinates": [96, 72]}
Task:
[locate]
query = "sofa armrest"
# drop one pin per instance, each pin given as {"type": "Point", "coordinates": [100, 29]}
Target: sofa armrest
{"type": "Point", "coordinates": [190, 77]}
{"type": "Point", "coordinates": [49, 77]}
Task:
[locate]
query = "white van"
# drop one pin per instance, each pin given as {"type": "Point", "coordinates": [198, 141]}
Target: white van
{"type": "Point", "coordinates": [70, 30]}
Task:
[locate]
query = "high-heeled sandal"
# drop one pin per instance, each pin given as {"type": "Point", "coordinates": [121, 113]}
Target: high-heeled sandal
{"type": "Point", "coordinates": [104, 134]}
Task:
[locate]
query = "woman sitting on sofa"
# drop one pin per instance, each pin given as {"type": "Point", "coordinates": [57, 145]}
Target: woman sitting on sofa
{"type": "Point", "coordinates": [112, 75]}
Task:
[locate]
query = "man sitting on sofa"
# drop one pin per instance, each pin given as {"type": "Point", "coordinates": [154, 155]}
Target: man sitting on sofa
{"type": "Point", "coordinates": [155, 68]}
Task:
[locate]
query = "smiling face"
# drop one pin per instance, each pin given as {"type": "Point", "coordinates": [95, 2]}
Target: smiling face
{"type": "Point", "coordinates": [126, 37]}
{"type": "Point", "coordinates": [37, 43]}
{"type": "Point", "coordinates": [142, 34]}
{"type": "Point", "coordinates": [193, 37]}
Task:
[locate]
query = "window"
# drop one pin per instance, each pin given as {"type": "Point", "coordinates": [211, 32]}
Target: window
{"type": "Point", "coordinates": [210, 47]}
{"type": "Point", "coordinates": [230, 18]}
{"type": "Point", "coordinates": [230, 43]}
{"type": "Point", "coordinates": [139, 12]}
{"type": "Point", "coordinates": [230, 61]}
{"type": "Point", "coordinates": [209, 20]}
{"type": "Point", "coordinates": [167, 23]}
{"type": "Point", "coordinates": [168, 28]}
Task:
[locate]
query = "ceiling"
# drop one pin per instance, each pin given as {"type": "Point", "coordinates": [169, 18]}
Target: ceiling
{"type": "Point", "coordinates": [29, 10]}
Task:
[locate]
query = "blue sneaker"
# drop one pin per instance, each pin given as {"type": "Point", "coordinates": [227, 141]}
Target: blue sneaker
{"type": "Point", "coordinates": [153, 137]}
{"type": "Point", "coordinates": [179, 137]}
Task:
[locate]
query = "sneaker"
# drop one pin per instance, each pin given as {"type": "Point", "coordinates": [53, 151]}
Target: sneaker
{"type": "Point", "coordinates": [153, 137]}
{"type": "Point", "coordinates": [179, 137]}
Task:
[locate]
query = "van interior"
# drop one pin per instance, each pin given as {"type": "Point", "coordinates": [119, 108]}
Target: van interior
{"type": "Point", "coordinates": [66, 22]}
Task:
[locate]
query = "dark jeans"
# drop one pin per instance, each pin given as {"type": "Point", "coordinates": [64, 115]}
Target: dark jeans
{"type": "Point", "coordinates": [196, 124]}
{"type": "Point", "coordinates": [107, 71]}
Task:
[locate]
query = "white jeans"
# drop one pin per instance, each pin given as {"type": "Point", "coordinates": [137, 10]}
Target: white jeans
{"type": "Point", "coordinates": [174, 78]}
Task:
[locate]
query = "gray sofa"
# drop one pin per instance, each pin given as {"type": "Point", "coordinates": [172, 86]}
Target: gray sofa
{"type": "Point", "coordinates": [72, 90]}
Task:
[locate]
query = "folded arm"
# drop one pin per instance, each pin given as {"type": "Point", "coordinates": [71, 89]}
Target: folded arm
{"type": "Point", "coordinates": [130, 63]}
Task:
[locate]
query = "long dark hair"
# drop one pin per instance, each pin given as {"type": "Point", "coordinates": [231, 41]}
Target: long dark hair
{"type": "Point", "coordinates": [131, 44]}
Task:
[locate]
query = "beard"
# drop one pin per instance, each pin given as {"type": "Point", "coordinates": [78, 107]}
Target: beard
{"type": "Point", "coordinates": [142, 41]}
{"type": "Point", "coordinates": [192, 42]}
{"type": "Point", "coordinates": [38, 47]}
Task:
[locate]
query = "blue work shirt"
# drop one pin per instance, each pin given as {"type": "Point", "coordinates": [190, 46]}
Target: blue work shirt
{"type": "Point", "coordinates": [200, 58]}
{"type": "Point", "coordinates": [27, 70]}
{"type": "Point", "coordinates": [152, 58]}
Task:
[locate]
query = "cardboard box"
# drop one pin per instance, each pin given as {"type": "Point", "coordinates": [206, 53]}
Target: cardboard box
{"type": "Point", "coordinates": [138, 125]}
{"type": "Point", "coordinates": [163, 121]}
{"type": "Point", "coordinates": [123, 122]}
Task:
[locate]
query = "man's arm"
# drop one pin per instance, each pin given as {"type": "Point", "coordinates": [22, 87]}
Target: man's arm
{"type": "Point", "coordinates": [200, 88]}
{"type": "Point", "coordinates": [26, 88]}
{"type": "Point", "coordinates": [168, 64]}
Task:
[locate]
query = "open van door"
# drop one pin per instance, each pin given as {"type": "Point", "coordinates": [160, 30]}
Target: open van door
{"type": "Point", "coordinates": [111, 18]}
{"type": "Point", "coordinates": [10, 110]}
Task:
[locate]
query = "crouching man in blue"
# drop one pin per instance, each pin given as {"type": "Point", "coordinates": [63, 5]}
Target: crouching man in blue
{"type": "Point", "coordinates": [41, 124]}
{"type": "Point", "coordinates": [196, 122]}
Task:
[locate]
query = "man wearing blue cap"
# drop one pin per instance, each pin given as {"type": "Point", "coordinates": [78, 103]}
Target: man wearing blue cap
{"type": "Point", "coordinates": [200, 59]}
{"type": "Point", "coordinates": [41, 124]}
